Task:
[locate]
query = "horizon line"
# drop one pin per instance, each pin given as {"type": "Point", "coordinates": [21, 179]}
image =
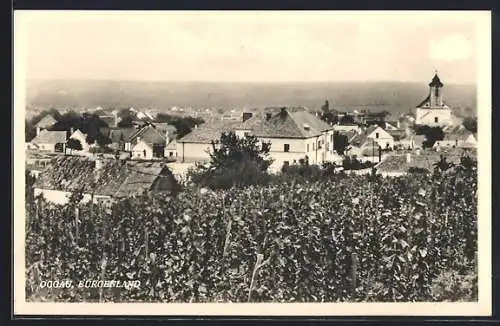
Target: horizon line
{"type": "Point", "coordinates": [244, 81]}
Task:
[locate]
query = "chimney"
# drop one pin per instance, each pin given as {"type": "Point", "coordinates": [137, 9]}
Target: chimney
{"type": "Point", "coordinates": [196, 126]}
{"type": "Point", "coordinates": [138, 139]}
{"type": "Point", "coordinates": [283, 112]}
{"type": "Point", "coordinates": [408, 158]}
{"type": "Point", "coordinates": [72, 130]}
{"type": "Point", "coordinates": [37, 131]}
{"type": "Point", "coordinates": [398, 124]}
{"type": "Point", "coordinates": [246, 116]}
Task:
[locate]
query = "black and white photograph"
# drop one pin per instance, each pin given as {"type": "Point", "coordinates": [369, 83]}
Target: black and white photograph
{"type": "Point", "coordinates": [252, 162]}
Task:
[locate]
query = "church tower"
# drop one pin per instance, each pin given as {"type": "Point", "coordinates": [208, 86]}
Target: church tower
{"type": "Point", "coordinates": [433, 111]}
{"type": "Point", "coordinates": [435, 94]}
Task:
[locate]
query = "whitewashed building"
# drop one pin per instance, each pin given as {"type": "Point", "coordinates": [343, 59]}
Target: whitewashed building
{"type": "Point", "coordinates": [433, 111]}
{"type": "Point", "coordinates": [294, 133]}
{"type": "Point", "coordinates": [49, 141]}
{"type": "Point", "coordinates": [82, 138]}
{"type": "Point", "coordinates": [378, 135]}
{"type": "Point", "coordinates": [147, 142]}
{"type": "Point", "coordinates": [458, 137]}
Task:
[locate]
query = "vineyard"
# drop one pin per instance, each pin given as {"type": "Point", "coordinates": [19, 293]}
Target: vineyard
{"type": "Point", "coordinates": [348, 238]}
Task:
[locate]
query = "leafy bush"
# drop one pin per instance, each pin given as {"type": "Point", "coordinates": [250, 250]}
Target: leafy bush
{"type": "Point", "coordinates": [234, 161]}
{"type": "Point", "coordinates": [347, 238]}
{"type": "Point", "coordinates": [417, 170]}
{"type": "Point", "coordinates": [354, 164]}
{"type": "Point", "coordinates": [74, 144]}
{"type": "Point", "coordinates": [432, 134]}
{"type": "Point", "coordinates": [103, 150]}
{"type": "Point", "coordinates": [451, 285]}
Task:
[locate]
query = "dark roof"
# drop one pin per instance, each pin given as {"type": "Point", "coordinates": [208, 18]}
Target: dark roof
{"type": "Point", "coordinates": [436, 82]}
{"type": "Point", "coordinates": [294, 122]}
{"type": "Point", "coordinates": [458, 133]}
{"type": "Point", "coordinates": [427, 100]}
{"type": "Point", "coordinates": [108, 120]}
{"type": "Point", "coordinates": [115, 178]}
{"type": "Point", "coordinates": [361, 138]}
{"type": "Point", "coordinates": [256, 119]}
{"type": "Point", "coordinates": [397, 134]}
{"type": "Point", "coordinates": [47, 121]}
{"type": "Point", "coordinates": [149, 134]}
{"type": "Point", "coordinates": [122, 134]}
{"type": "Point", "coordinates": [398, 163]}
{"type": "Point", "coordinates": [208, 132]}
{"type": "Point", "coordinates": [164, 127]}
{"type": "Point", "coordinates": [50, 137]}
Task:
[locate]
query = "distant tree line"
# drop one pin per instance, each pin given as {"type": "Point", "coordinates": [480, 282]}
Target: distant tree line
{"type": "Point", "coordinates": [331, 116]}
{"type": "Point", "coordinates": [88, 123]}
{"type": "Point", "coordinates": [92, 125]}
{"type": "Point", "coordinates": [470, 123]}
{"type": "Point", "coordinates": [184, 125]}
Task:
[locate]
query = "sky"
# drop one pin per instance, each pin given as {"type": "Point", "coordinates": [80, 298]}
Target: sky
{"type": "Point", "coordinates": [249, 46]}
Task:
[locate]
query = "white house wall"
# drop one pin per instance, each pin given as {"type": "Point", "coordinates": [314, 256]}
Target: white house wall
{"type": "Point", "coordinates": [384, 138]}
{"type": "Point", "coordinates": [299, 148]}
{"type": "Point", "coordinates": [193, 152]}
{"type": "Point", "coordinates": [426, 116]}
{"type": "Point", "coordinates": [47, 147]}
{"type": "Point", "coordinates": [141, 148]}
{"type": "Point", "coordinates": [62, 197]}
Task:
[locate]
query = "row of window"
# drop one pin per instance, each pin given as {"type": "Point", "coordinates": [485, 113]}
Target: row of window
{"type": "Point", "coordinates": [286, 147]}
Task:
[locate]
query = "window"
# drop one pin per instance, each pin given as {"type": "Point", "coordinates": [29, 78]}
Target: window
{"type": "Point", "coordinates": [294, 161]}
{"type": "Point", "coordinates": [436, 119]}
{"type": "Point", "coordinates": [287, 147]}
{"type": "Point", "coordinates": [376, 135]}
{"type": "Point", "coordinates": [171, 154]}
{"type": "Point", "coordinates": [247, 134]}
{"type": "Point", "coordinates": [307, 147]}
